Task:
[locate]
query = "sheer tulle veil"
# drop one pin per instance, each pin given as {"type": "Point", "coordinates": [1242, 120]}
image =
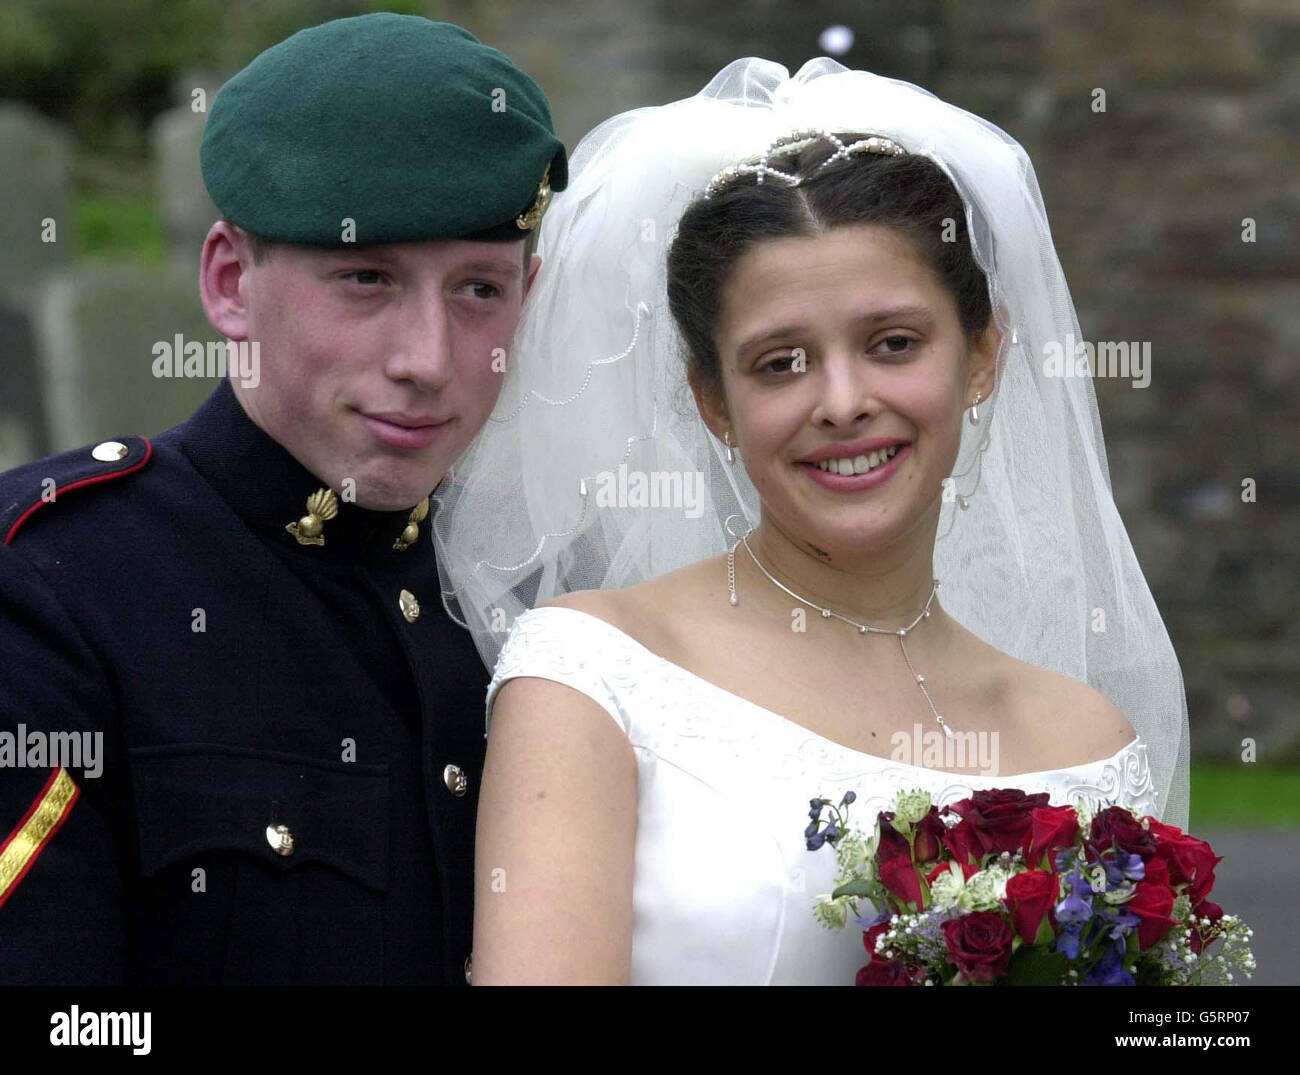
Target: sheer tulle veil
{"type": "Point", "coordinates": [1032, 552]}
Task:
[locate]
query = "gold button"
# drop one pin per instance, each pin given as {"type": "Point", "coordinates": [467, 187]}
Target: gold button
{"type": "Point", "coordinates": [469, 969]}
{"type": "Point", "coordinates": [110, 451]}
{"type": "Point", "coordinates": [409, 605]}
{"type": "Point", "coordinates": [455, 779]}
{"type": "Point", "coordinates": [280, 839]}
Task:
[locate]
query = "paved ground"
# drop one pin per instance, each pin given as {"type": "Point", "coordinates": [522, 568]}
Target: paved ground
{"type": "Point", "coordinates": [1259, 879]}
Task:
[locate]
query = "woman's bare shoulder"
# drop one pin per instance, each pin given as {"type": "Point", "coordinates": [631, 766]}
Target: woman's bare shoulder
{"type": "Point", "coordinates": [1086, 723]}
{"type": "Point", "coordinates": [1077, 716]}
{"type": "Point", "coordinates": [652, 612]}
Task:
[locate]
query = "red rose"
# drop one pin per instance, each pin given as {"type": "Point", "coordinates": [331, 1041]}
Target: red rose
{"type": "Point", "coordinates": [1157, 872]}
{"type": "Point", "coordinates": [1050, 828]}
{"type": "Point", "coordinates": [979, 945]}
{"type": "Point", "coordinates": [929, 835]}
{"type": "Point", "coordinates": [1116, 825]}
{"type": "Point", "coordinates": [1212, 911]}
{"type": "Point", "coordinates": [1152, 902]}
{"type": "Point", "coordinates": [899, 876]}
{"type": "Point", "coordinates": [888, 972]}
{"type": "Point", "coordinates": [869, 938]}
{"type": "Point", "coordinates": [1191, 861]}
{"type": "Point", "coordinates": [962, 843]}
{"type": "Point", "coordinates": [1000, 819]}
{"type": "Point", "coordinates": [967, 868]}
{"type": "Point", "coordinates": [1030, 896]}
{"type": "Point", "coordinates": [892, 843]}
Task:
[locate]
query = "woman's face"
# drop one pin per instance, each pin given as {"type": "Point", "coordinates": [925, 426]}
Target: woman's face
{"type": "Point", "coordinates": [834, 350]}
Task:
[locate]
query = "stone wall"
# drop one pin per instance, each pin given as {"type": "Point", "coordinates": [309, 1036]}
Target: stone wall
{"type": "Point", "coordinates": [1148, 199]}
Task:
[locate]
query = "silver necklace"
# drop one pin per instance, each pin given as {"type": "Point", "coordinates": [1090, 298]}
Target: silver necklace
{"type": "Point", "coordinates": [900, 632]}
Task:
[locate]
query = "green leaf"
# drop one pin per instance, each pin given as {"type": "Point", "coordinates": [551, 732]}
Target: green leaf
{"type": "Point", "coordinates": [1132, 949]}
{"type": "Point", "coordinates": [1044, 937]}
{"type": "Point", "coordinates": [1036, 966]}
{"type": "Point", "coordinates": [860, 887]}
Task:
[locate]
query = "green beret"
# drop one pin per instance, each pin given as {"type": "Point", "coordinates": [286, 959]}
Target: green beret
{"type": "Point", "coordinates": [410, 128]}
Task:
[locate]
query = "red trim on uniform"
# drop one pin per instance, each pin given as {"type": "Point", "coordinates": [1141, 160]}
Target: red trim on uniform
{"type": "Point", "coordinates": [36, 805]}
{"type": "Point", "coordinates": [77, 485]}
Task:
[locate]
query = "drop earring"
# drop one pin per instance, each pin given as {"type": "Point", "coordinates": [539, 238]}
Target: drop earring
{"type": "Point", "coordinates": [974, 415]}
{"type": "Point", "coordinates": [726, 439]}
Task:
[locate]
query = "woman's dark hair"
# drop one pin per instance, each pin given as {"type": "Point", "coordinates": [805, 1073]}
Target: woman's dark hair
{"type": "Point", "coordinates": [909, 193]}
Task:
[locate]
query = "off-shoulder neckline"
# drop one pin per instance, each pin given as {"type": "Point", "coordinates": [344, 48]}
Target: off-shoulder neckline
{"type": "Point", "coordinates": [832, 743]}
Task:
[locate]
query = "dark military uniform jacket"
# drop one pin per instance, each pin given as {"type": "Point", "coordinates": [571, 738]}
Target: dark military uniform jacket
{"type": "Point", "coordinates": [290, 736]}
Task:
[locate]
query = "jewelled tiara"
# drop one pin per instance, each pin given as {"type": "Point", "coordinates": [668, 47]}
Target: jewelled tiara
{"type": "Point", "coordinates": [793, 143]}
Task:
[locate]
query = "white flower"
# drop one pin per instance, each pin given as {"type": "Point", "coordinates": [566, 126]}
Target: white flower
{"type": "Point", "coordinates": [831, 913]}
{"type": "Point", "coordinates": [986, 888]}
{"type": "Point", "coordinates": [947, 889]}
{"type": "Point", "coordinates": [913, 805]}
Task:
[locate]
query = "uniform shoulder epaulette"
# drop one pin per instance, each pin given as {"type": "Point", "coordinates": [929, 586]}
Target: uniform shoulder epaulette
{"type": "Point", "coordinates": [27, 489]}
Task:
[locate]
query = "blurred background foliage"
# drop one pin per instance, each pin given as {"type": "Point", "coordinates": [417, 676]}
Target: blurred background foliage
{"type": "Point", "coordinates": [107, 69]}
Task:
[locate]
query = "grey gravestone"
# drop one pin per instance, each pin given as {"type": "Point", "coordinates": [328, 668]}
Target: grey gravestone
{"type": "Point", "coordinates": [186, 209]}
{"type": "Point", "coordinates": [22, 416]}
{"type": "Point", "coordinates": [35, 157]}
{"type": "Point", "coordinates": [96, 329]}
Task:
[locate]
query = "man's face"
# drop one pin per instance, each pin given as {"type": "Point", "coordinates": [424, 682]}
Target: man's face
{"type": "Point", "coordinates": [380, 364]}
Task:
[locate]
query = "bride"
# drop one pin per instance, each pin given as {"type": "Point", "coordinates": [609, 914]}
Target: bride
{"type": "Point", "coordinates": [822, 303]}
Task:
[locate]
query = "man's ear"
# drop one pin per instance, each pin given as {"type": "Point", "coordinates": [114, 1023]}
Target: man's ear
{"type": "Point", "coordinates": [534, 264]}
{"type": "Point", "coordinates": [711, 403]}
{"type": "Point", "coordinates": [223, 269]}
{"type": "Point", "coordinates": [983, 356]}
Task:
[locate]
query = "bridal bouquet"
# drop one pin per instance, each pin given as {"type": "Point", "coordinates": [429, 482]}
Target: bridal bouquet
{"type": "Point", "coordinates": [1003, 889]}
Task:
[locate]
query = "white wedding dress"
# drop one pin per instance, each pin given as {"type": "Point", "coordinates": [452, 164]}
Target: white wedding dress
{"type": "Point", "coordinates": [724, 884]}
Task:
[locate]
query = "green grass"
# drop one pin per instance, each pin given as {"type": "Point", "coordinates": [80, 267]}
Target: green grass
{"type": "Point", "coordinates": [120, 227]}
{"type": "Point", "coordinates": [1245, 794]}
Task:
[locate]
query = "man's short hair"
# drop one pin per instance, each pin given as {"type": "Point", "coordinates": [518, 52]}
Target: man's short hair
{"type": "Point", "coordinates": [261, 248]}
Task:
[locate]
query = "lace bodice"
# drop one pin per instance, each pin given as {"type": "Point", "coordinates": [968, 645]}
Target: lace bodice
{"type": "Point", "coordinates": [724, 885]}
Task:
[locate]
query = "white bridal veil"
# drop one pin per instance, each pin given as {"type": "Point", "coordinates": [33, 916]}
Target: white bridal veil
{"type": "Point", "coordinates": [1037, 562]}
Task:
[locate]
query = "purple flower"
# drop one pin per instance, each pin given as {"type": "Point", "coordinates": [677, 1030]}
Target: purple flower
{"type": "Point", "coordinates": [884, 916]}
{"type": "Point", "coordinates": [1076, 908]}
{"type": "Point", "coordinates": [1125, 921]}
{"type": "Point", "coordinates": [1123, 867]}
{"type": "Point", "coordinates": [1133, 869]}
{"type": "Point", "coordinates": [1067, 941]}
{"type": "Point", "coordinates": [1109, 970]}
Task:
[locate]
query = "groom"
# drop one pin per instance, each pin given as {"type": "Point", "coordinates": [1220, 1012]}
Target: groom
{"type": "Point", "coordinates": [240, 738]}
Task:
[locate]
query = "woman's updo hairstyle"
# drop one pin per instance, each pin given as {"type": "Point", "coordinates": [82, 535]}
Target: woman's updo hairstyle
{"type": "Point", "coordinates": [909, 193]}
